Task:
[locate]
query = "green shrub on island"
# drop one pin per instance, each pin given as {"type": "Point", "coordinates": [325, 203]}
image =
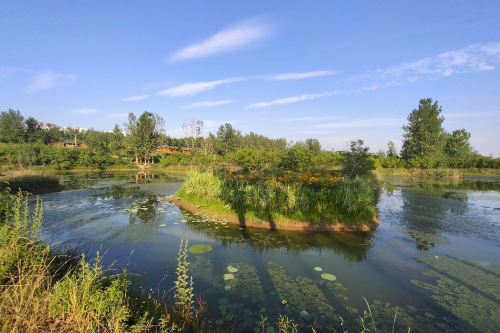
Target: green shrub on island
{"type": "Point", "coordinates": [346, 201]}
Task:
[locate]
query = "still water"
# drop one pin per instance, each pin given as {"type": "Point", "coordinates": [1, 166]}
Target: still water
{"type": "Point", "coordinates": [435, 256]}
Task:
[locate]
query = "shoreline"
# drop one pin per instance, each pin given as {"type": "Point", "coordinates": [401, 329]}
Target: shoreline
{"type": "Point", "coordinates": [288, 225]}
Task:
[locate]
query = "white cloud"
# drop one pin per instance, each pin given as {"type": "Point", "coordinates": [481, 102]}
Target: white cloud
{"type": "Point", "coordinates": [473, 58]}
{"type": "Point", "coordinates": [299, 76]}
{"type": "Point", "coordinates": [134, 98]}
{"type": "Point", "coordinates": [48, 80]}
{"type": "Point", "coordinates": [193, 88]}
{"type": "Point", "coordinates": [224, 41]}
{"type": "Point", "coordinates": [365, 123]}
{"type": "Point", "coordinates": [117, 115]}
{"type": "Point", "coordinates": [85, 111]}
{"type": "Point", "coordinates": [292, 99]}
{"type": "Point", "coordinates": [207, 104]}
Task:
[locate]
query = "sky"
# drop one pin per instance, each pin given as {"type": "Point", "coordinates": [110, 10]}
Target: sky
{"type": "Point", "coordinates": [331, 70]}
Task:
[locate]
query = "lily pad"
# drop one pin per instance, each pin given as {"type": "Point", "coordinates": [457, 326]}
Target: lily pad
{"type": "Point", "coordinates": [232, 269]}
{"type": "Point", "coordinates": [328, 277]}
{"type": "Point", "coordinates": [228, 277]}
{"type": "Point", "coordinates": [318, 269]}
{"type": "Point", "coordinates": [199, 249]}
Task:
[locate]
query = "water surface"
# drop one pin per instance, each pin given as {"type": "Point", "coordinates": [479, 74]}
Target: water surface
{"type": "Point", "coordinates": [435, 254]}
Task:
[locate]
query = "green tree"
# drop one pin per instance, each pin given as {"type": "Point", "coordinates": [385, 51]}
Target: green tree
{"type": "Point", "coordinates": [297, 158]}
{"type": "Point", "coordinates": [143, 135]}
{"type": "Point", "coordinates": [313, 145]}
{"type": "Point", "coordinates": [11, 126]}
{"type": "Point", "coordinates": [457, 144]}
{"type": "Point", "coordinates": [32, 131]}
{"type": "Point", "coordinates": [228, 139]}
{"type": "Point", "coordinates": [424, 136]}
{"type": "Point", "coordinates": [391, 149]}
{"type": "Point", "coordinates": [357, 161]}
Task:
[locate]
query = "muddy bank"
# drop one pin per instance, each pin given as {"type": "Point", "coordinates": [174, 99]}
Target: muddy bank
{"type": "Point", "coordinates": [289, 225]}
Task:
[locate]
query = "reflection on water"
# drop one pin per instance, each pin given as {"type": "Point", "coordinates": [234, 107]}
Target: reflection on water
{"type": "Point", "coordinates": [434, 256]}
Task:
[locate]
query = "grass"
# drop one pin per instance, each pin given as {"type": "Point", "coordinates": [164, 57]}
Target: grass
{"type": "Point", "coordinates": [422, 173]}
{"type": "Point", "coordinates": [351, 201]}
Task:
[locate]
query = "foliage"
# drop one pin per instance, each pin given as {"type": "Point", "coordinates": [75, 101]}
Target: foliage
{"type": "Point", "coordinates": [347, 201]}
{"type": "Point", "coordinates": [183, 286]}
{"type": "Point", "coordinates": [424, 134]}
{"type": "Point", "coordinates": [11, 126]}
{"type": "Point", "coordinates": [357, 162]}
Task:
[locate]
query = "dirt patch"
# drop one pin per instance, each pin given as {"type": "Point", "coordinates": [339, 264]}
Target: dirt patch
{"type": "Point", "coordinates": [366, 227]}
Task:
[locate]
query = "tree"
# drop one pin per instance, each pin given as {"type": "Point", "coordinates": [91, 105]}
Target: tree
{"type": "Point", "coordinates": [143, 135]}
{"type": "Point", "coordinates": [313, 145]}
{"type": "Point", "coordinates": [424, 135]}
{"type": "Point", "coordinates": [391, 149]}
{"type": "Point", "coordinates": [357, 161]}
{"type": "Point", "coordinates": [457, 144]}
{"type": "Point", "coordinates": [11, 126]}
{"type": "Point", "coordinates": [193, 130]}
{"type": "Point", "coordinates": [228, 139]}
{"type": "Point", "coordinates": [32, 131]}
{"type": "Point", "coordinates": [297, 158]}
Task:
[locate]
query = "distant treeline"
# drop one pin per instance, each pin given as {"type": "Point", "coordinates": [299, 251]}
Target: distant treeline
{"type": "Point", "coordinates": [27, 143]}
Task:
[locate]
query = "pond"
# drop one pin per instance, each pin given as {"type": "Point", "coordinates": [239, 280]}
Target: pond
{"type": "Point", "coordinates": [434, 257]}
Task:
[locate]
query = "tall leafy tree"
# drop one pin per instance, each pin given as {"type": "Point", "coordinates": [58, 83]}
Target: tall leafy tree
{"type": "Point", "coordinates": [143, 135]}
{"type": "Point", "coordinates": [424, 136]}
{"type": "Point", "coordinates": [457, 144]}
{"type": "Point", "coordinates": [391, 149]}
{"type": "Point", "coordinates": [11, 126]}
{"type": "Point", "coordinates": [228, 139]}
{"type": "Point", "coordinates": [32, 131]}
{"type": "Point", "coordinates": [313, 145]}
{"type": "Point", "coordinates": [357, 162]}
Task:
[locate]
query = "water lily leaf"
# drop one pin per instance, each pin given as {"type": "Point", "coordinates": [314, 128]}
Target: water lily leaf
{"type": "Point", "coordinates": [228, 277]}
{"type": "Point", "coordinates": [232, 269]}
{"type": "Point", "coordinates": [199, 249]}
{"type": "Point", "coordinates": [318, 269]}
{"type": "Point", "coordinates": [328, 277]}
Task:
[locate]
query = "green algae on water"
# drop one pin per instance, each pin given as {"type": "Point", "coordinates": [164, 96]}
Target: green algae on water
{"type": "Point", "coordinates": [328, 277]}
{"type": "Point", "coordinates": [199, 248]}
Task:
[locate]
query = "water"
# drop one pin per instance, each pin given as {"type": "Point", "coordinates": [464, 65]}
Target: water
{"type": "Point", "coordinates": [434, 255]}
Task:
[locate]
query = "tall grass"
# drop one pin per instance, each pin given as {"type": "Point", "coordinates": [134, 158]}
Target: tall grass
{"type": "Point", "coordinates": [348, 201]}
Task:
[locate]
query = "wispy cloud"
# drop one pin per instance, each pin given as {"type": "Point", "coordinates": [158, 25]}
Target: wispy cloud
{"type": "Point", "coordinates": [207, 104]}
{"type": "Point", "coordinates": [226, 40]}
{"type": "Point", "coordinates": [299, 76]}
{"type": "Point", "coordinates": [292, 99]}
{"type": "Point", "coordinates": [85, 111]}
{"type": "Point", "coordinates": [473, 58]}
{"type": "Point", "coordinates": [48, 80]}
{"type": "Point", "coordinates": [193, 88]}
{"type": "Point", "coordinates": [117, 115]}
{"type": "Point", "coordinates": [135, 98]}
{"type": "Point", "coordinates": [364, 123]}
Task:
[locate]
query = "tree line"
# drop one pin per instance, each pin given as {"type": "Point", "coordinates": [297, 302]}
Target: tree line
{"type": "Point", "coordinates": [27, 142]}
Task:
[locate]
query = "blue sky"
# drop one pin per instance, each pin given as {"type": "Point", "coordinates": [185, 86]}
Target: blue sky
{"type": "Point", "coordinates": [333, 70]}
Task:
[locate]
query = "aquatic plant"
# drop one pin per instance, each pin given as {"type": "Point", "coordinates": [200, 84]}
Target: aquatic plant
{"type": "Point", "coordinates": [199, 249]}
{"type": "Point", "coordinates": [318, 269]}
{"type": "Point", "coordinates": [328, 277]}
{"type": "Point", "coordinates": [454, 288]}
{"type": "Point", "coordinates": [228, 276]}
{"type": "Point", "coordinates": [287, 325]}
{"type": "Point", "coordinates": [183, 286]}
{"type": "Point", "coordinates": [231, 269]}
